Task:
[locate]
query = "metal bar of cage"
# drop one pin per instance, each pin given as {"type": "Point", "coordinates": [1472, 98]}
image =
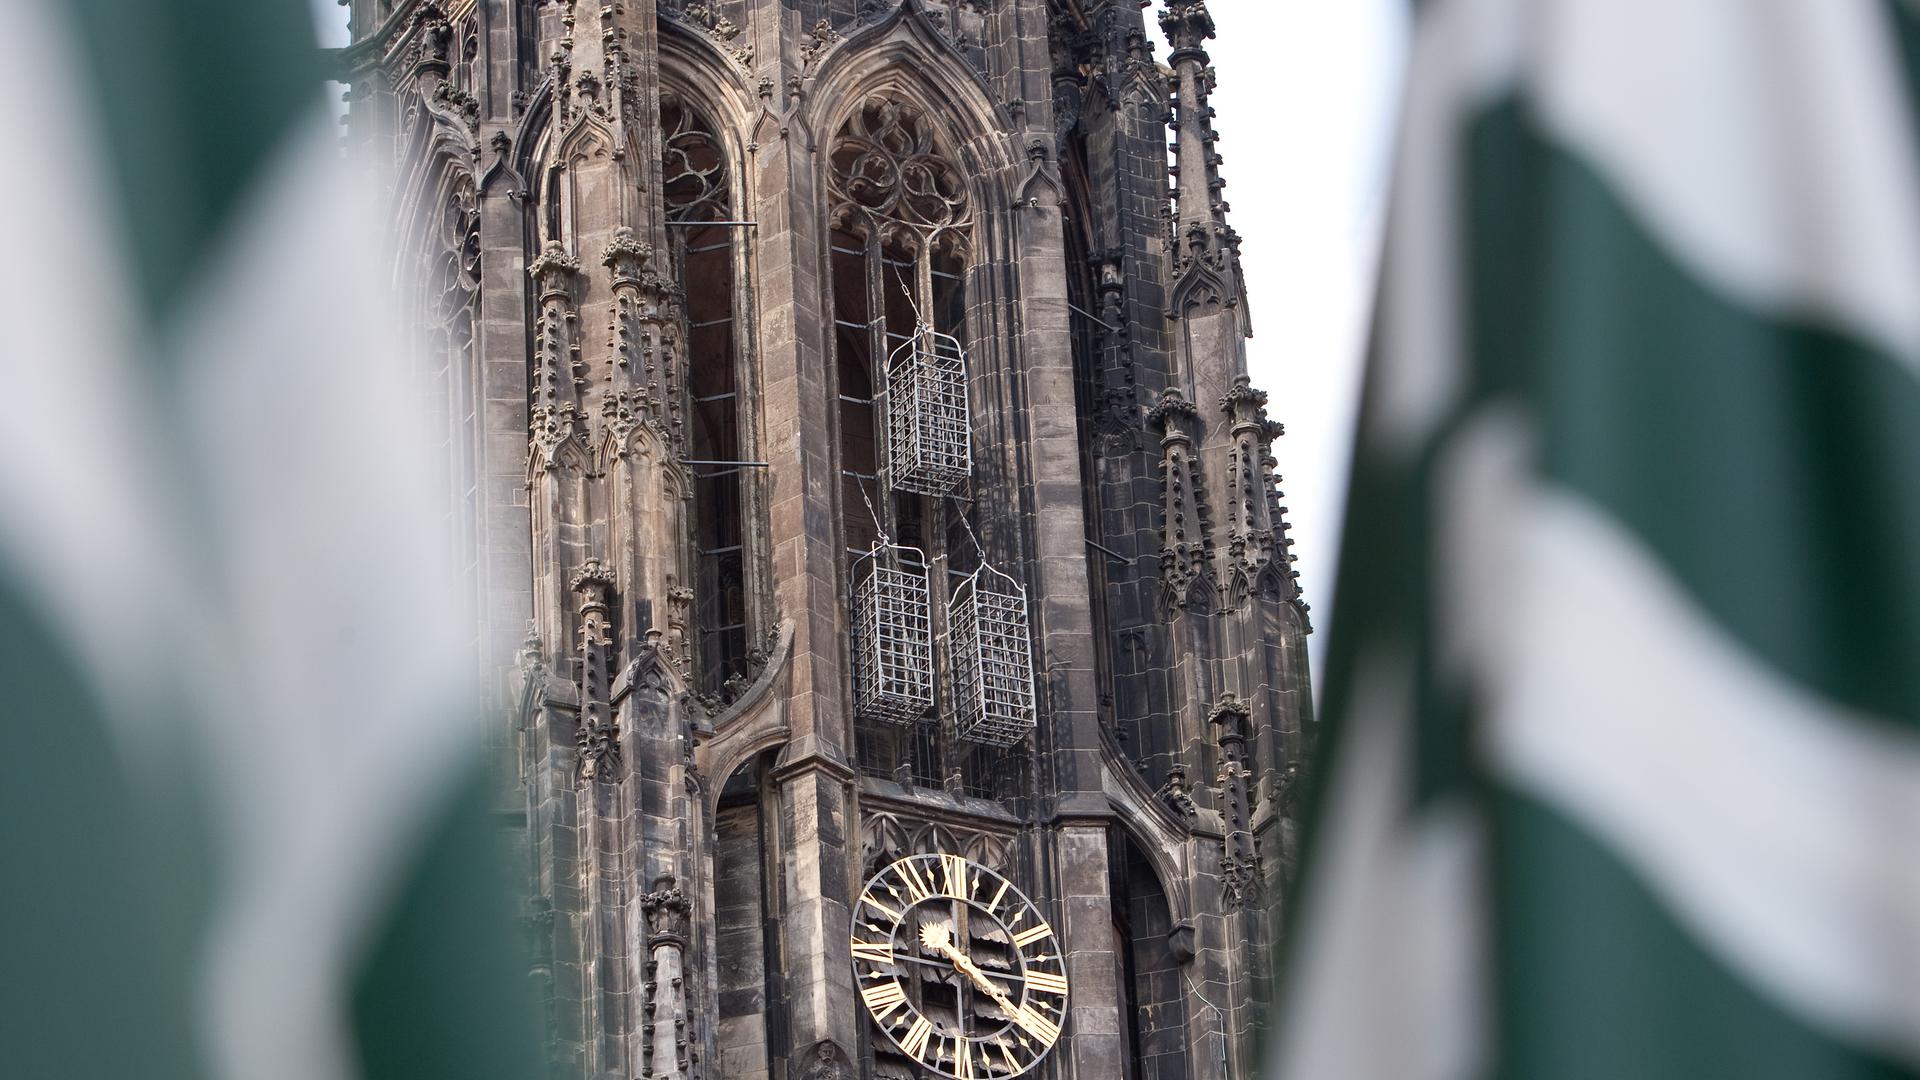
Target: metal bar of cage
{"type": "Point", "coordinates": [929, 423]}
{"type": "Point", "coordinates": [892, 630]}
{"type": "Point", "coordinates": [992, 653]}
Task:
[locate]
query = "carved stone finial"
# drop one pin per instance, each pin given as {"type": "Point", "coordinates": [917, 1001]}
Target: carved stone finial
{"type": "Point", "coordinates": [1172, 404]}
{"type": "Point", "coordinates": [1187, 24]}
{"type": "Point", "coordinates": [433, 41]}
{"type": "Point", "coordinates": [626, 256]}
{"type": "Point", "coordinates": [593, 574]}
{"type": "Point", "coordinates": [1232, 715]}
{"type": "Point", "coordinates": [667, 910]}
{"type": "Point", "coordinates": [554, 268]}
{"type": "Point", "coordinates": [1177, 795]}
{"type": "Point", "coordinates": [597, 736]}
{"type": "Point", "coordinates": [533, 651]}
{"type": "Point", "coordinates": [1244, 403]}
{"type": "Point", "coordinates": [818, 40]}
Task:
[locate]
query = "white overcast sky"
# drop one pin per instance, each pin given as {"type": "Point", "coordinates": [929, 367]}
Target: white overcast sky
{"type": "Point", "coordinates": [1306, 99]}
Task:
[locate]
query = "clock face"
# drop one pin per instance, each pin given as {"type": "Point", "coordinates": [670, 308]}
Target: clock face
{"type": "Point", "coordinates": [958, 968]}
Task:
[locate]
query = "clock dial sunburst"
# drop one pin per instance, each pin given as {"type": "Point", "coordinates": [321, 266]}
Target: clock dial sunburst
{"type": "Point", "coordinates": [958, 968]}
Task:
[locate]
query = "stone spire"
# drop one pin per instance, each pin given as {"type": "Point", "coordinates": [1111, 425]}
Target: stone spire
{"type": "Point", "coordinates": [1202, 241]}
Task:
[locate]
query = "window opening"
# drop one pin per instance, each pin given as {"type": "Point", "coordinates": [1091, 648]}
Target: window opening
{"type": "Point", "coordinates": [699, 203]}
{"type": "Point", "coordinates": [898, 263]}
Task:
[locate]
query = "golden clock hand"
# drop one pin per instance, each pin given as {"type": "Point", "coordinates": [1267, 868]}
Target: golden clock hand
{"type": "Point", "coordinates": [940, 940]}
{"type": "Point", "coordinates": [980, 979]}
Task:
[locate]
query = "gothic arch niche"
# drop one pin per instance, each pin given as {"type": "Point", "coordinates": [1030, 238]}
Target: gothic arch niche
{"type": "Point", "coordinates": [581, 185]}
{"type": "Point", "coordinates": [747, 1040]}
{"type": "Point", "coordinates": [709, 259]}
{"type": "Point", "coordinates": [1280, 672]}
{"type": "Point", "coordinates": [1152, 984]}
{"type": "Point", "coordinates": [445, 291]}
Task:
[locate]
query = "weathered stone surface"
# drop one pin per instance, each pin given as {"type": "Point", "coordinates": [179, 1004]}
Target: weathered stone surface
{"type": "Point", "coordinates": [663, 252]}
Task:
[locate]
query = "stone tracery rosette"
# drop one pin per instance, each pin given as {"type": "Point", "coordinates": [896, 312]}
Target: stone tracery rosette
{"type": "Point", "coordinates": [693, 173]}
{"type": "Point", "coordinates": [888, 171]}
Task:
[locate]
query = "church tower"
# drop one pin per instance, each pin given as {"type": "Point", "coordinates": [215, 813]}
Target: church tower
{"type": "Point", "coordinates": [872, 536]}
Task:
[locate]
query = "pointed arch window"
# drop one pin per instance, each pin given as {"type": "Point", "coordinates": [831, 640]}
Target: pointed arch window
{"type": "Point", "coordinates": [901, 222]}
{"type": "Point", "coordinates": [448, 313]}
{"type": "Point", "coordinates": [708, 259]}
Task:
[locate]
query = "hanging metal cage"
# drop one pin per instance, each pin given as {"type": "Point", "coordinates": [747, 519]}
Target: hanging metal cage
{"type": "Point", "coordinates": [929, 430]}
{"type": "Point", "coordinates": [892, 635]}
{"type": "Point", "coordinates": [992, 659]}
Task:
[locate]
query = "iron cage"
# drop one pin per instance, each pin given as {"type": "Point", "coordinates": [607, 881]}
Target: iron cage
{"type": "Point", "coordinates": [892, 635]}
{"type": "Point", "coordinates": [992, 659]}
{"type": "Point", "coordinates": [929, 427]}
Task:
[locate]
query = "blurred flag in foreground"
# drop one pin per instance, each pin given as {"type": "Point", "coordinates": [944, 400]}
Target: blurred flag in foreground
{"type": "Point", "coordinates": [240, 799]}
{"type": "Point", "coordinates": [1623, 768]}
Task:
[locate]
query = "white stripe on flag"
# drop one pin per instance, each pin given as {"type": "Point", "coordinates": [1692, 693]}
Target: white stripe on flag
{"type": "Point", "coordinates": [1769, 143]}
{"type": "Point", "coordinates": [83, 525]}
{"type": "Point", "coordinates": [348, 709]}
{"type": "Point", "coordinates": [1385, 976]}
{"type": "Point", "coordinates": [1464, 53]}
{"type": "Point", "coordinates": [1782, 830]}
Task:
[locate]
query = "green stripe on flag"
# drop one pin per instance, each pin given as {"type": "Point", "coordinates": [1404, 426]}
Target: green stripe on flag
{"type": "Point", "coordinates": [445, 990]}
{"type": "Point", "coordinates": [1906, 31]}
{"type": "Point", "coordinates": [193, 96]}
{"type": "Point", "coordinates": [1597, 981]}
{"type": "Point", "coordinates": [95, 976]}
{"type": "Point", "coordinates": [1769, 462]}
{"type": "Point", "coordinates": [1741, 481]}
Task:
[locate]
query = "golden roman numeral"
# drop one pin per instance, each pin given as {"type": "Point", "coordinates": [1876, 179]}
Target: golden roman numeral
{"type": "Point", "coordinates": [994, 905]}
{"type": "Point", "coordinates": [1031, 935]}
{"type": "Point", "coordinates": [880, 907]}
{"type": "Point", "coordinates": [917, 1035]}
{"type": "Point", "coordinates": [879, 952]}
{"type": "Point", "coordinates": [962, 1060]}
{"type": "Point", "coordinates": [1006, 1052]}
{"type": "Point", "coordinates": [883, 998]}
{"type": "Point", "coordinates": [1036, 1024]}
{"type": "Point", "coordinates": [956, 868]}
{"type": "Point", "coordinates": [916, 889]}
{"type": "Point", "coordinates": [1047, 983]}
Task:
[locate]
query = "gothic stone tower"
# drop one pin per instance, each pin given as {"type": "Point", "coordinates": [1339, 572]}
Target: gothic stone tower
{"type": "Point", "coordinates": [854, 460]}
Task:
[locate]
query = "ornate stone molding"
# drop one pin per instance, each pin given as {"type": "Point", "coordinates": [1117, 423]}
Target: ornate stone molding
{"type": "Point", "coordinates": [554, 268]}
{"type": "Point", "coordinates": [667, 909]}
{"type": "Point", "coordinates": [709, 20]}
{"type": "Point", "coordinates": [1240, 878]}
{"type": "Point", "coordinates": [1176, 794]}
{"type": "Point", "coordinates": [1172, 406]}
{"type": "Point", "coordinates": [666, 1053]}
{"type": "Point", "coordinates": [827, 1062]}
{"type": "Point", "coordinates": [625, 256]}
{"type": "Point", "coordinates": [598, 736]}
{"type": "Point", "coordinates": [1240, 881]}
{"type": "Point", "coordinates": [890, 173]}
{"type": "Point", "coordinates": [887, 835]}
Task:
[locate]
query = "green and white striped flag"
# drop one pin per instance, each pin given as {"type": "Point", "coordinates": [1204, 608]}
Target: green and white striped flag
{"type": "Point", "coordinates": [241, 795]}
{"type": "Point", "coordinates": [1622, 777]}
